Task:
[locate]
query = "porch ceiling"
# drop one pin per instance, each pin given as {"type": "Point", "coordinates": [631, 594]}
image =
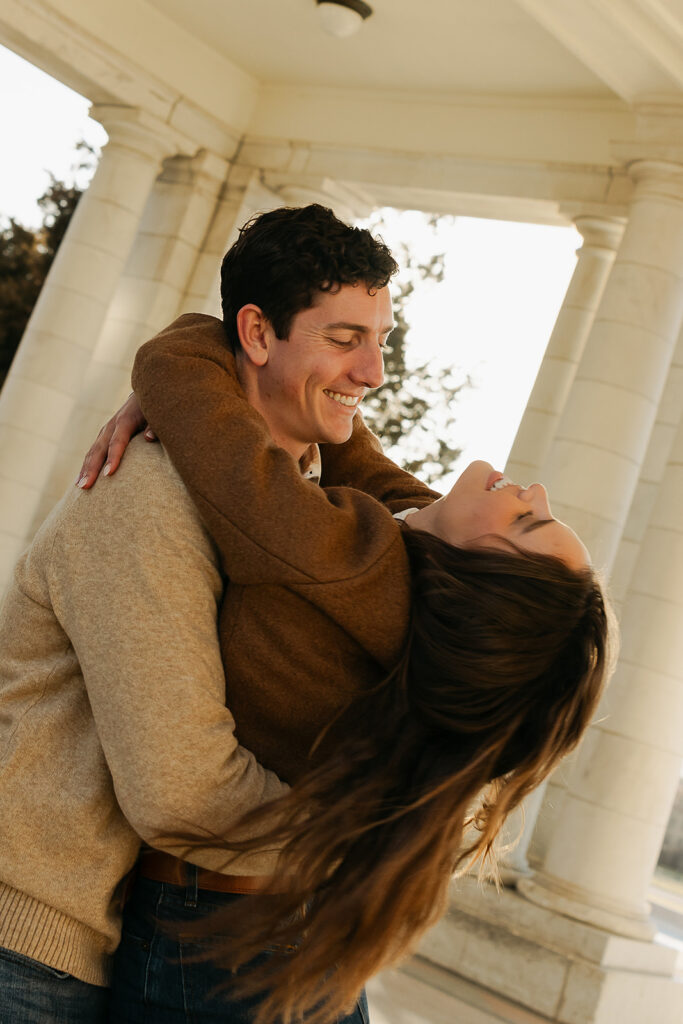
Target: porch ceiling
{"type": "Point", "coordinates": [516, 101]}
{"type": "Point", "coordinates": [438, 46]}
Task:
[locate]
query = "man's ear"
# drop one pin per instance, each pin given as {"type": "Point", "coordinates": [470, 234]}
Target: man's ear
{"type": "Point", "coordinates": [254, 332]}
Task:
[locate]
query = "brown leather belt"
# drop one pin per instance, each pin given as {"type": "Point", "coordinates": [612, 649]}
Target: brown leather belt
{"type": "Point", "coordinates": [162, 867]}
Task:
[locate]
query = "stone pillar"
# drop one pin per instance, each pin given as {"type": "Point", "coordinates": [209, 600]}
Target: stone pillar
{"type": "Point", "coordinates": [48, 371]}
{"type": "Point", "coordinates": [605, 845]}
{"type": "Point", "coordinates": [519, 829]}
{"type": "Point", "coordinates": [243, 195]}
{"type": "Point", "coordinates": [594, 463]}
{"type": "Point", "coordinates": [658, 452]}
{"type": "Point", "coordinates": [148, 297]}
{"type": "Point", "coordinates": [601, 238]}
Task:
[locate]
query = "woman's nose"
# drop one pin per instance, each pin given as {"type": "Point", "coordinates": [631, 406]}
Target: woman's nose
{"type": "Point", "coordinates": [537, 496]}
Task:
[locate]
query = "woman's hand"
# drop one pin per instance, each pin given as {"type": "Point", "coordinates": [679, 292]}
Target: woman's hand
{"type": "Point", "coordinates": [112, 442]}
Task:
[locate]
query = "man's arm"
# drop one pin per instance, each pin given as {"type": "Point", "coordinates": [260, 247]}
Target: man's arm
{"type": "Point", "coordinates": [134, 582]}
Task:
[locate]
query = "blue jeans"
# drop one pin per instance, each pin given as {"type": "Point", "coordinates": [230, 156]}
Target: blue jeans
{"type": "Point", "coordinates": [157, 976]}
{"type": "Point", "coordinates": [32, 993]}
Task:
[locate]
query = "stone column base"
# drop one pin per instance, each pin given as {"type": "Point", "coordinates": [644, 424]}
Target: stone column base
{"type": "Point", "coordinates": [552, 895]}
{"type": "Point", "coordinates": [499, 958]}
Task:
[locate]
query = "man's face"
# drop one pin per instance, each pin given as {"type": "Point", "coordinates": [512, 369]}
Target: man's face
{"type": "Point", "coordinates": [313, 382]}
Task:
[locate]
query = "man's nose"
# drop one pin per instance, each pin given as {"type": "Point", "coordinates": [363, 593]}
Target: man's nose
{"type": "Point", "coordinates": [368, 367]}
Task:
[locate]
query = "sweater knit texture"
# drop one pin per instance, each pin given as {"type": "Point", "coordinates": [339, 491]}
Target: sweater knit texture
{"type": "Point", "coordinates": [113, 724]}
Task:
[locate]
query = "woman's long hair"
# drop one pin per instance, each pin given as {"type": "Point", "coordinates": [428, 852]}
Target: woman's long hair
{"type": "Point", "coordinates": [502, 672]}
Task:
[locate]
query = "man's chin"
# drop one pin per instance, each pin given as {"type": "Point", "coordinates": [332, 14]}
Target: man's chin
{"type": "Point", "coordinates": [337, 434]}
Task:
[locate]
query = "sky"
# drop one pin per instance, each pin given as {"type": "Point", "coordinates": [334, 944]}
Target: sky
{"type": "Point", "coordinates": [491, 317]}
{"type": "Point", "coordinates": [40, 123]}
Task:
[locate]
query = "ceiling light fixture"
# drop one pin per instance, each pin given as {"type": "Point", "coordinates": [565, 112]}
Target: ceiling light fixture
{"type": "Point", "coordinates": [341, 18]}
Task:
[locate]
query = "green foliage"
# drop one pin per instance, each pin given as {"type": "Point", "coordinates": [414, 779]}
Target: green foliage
{"type": "Point", "coordinates": [58, 204]}
{"type": "Point", "coordinates": [26, 257]}
{"type": "Point", "coordinates": [414, 410]}
{"type": "Point", "coordinates": [22, 272]}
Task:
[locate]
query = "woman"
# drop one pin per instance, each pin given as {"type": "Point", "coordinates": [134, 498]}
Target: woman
{"type": "Point", "coordinates": [462, 652]}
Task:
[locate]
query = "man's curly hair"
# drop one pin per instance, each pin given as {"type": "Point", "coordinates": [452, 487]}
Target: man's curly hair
{"type": "Point", "coordinates": [282, 258]}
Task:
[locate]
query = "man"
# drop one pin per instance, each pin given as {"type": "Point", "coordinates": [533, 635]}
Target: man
{"type": "Point", "coordinates": [113, 723]}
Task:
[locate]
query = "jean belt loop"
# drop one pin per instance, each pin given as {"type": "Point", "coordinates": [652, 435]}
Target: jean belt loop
{"type": "Point", "coordinates": [191, 887]}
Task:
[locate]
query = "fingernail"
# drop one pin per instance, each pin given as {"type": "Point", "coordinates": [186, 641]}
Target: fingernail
{"type": "Point", "coordinates": [149, 434]}
{"type": "Point", "coordinates": [82, 482]}
{"type": "Point", "coordinates": [107, 469]}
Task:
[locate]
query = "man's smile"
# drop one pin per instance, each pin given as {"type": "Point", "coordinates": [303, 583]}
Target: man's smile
{"type": "Point", "coordinates": [349, 400]}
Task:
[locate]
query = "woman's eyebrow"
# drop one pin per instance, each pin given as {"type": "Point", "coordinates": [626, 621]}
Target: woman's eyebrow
{"type": "Point", "coordinates": [535, 525]}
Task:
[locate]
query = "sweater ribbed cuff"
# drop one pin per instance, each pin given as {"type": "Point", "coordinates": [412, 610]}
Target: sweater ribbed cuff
{"type": "Point", "coordinates": [45, 934]}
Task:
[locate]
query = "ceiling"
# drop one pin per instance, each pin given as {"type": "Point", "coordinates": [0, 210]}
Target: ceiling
{"type": "Point", "coordinates": [466, 47]}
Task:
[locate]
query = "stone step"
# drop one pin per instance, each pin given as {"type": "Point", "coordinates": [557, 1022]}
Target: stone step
{"type": "Point", "coordinates": [420, 993]}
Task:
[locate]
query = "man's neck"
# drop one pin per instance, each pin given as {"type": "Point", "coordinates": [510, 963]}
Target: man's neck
{"type": "Point", "coordinates": [252, 393]}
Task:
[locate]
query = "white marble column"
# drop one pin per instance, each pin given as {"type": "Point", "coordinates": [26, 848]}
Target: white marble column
{"type": "Point", "coordinates": [238, 197]}
{"type": "Point", "coordinates": [594, 463]}
{"type": "Point", "coordinates": [519, 829]}
{"type": "Point", "coordinates": [48, 371]}
{"type": "Point", "coordinates": [148, 297]}
{"type": "Point", "coordinates": [606, 842]}
{"type": "Point", "coordinates": [601, 238]}
{"type": "Point", "coordinates": [243, 196]}
{"type": "Point", "coordinates": [595, 258]}
{"type": "Point", "coordinates": [651, 475]}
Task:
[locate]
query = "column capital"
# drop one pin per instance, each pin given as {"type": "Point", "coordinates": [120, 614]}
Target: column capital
{"type": "Point", "coordinates": [657, 178]}
{"type": "Point", "coordinates": [203, 169]}
{"type": "Point", "coordinates": [135, 129]}
{"type": "Point", "coordinates": [600, 232]}
{"type": "Point", "coordinates": [207, 165]}
{"type": "Point", "coordinates": [655, 170]}
{"type": "Point", "coordinates": [349, 204]}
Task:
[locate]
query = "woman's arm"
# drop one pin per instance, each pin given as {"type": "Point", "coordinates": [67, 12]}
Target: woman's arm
{"type": "Point", "coordinates": [270, 525]}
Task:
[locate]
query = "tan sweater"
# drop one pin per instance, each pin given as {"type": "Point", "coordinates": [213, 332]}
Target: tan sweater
{"type": "Point", "coordinates": [319, 597]}
{"type": "Point", "coordinates": [113, 723]}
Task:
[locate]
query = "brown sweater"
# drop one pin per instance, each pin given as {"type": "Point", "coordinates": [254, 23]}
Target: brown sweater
{"type": "Point", "coordinates": [318, 603]}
